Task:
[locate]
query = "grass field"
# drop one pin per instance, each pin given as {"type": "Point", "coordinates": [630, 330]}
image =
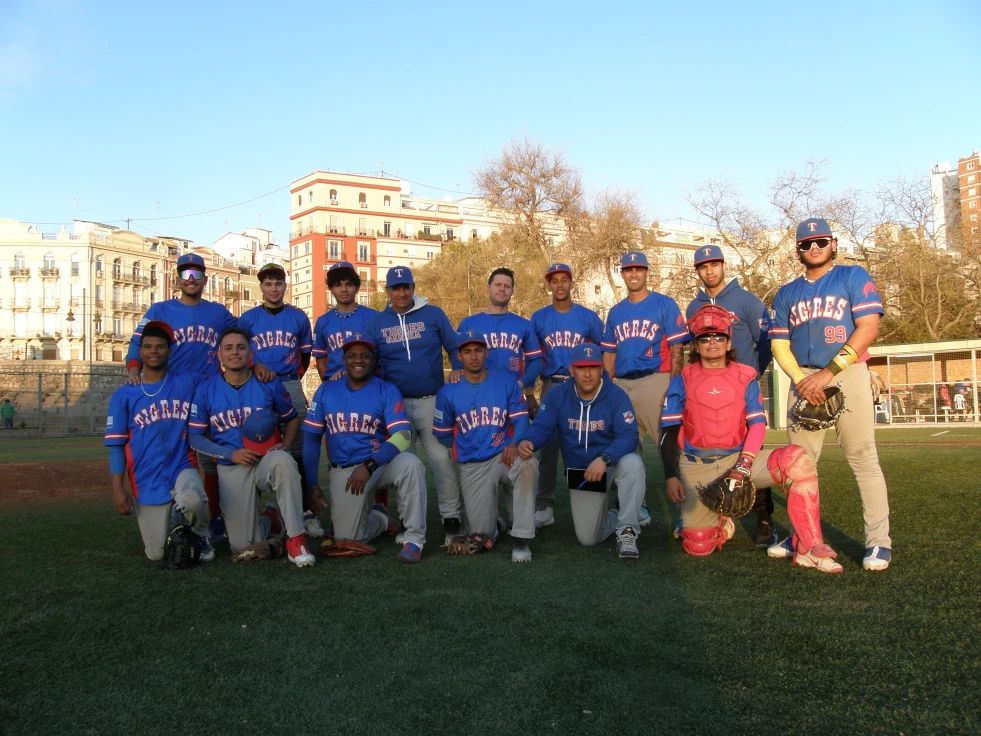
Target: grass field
{"type": "Point", "coordinates": [94, 639]}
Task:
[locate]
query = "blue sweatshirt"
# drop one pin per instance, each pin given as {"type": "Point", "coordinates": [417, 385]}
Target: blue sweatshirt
{"type": "Point", "coordinates": [587, 429]}
{"type": "Point", "coordinates": [410, 347]}
{"type": "Point", "coordinates": [750, 338]}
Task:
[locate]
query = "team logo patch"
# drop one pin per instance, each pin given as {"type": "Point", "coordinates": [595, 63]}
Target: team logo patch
{"type": "Point", "coordinates": [681, 321]}
{"type": "Point", "coordinates": [628, 417]}
{"type": "Point", "coordinates": [869, 288]}
{"type": "Point", "coordinates": [438, 415]}
{"type": "Point", "coordinates": [108, 422]}
{"type": "Point", "coordinates": [313, 406]}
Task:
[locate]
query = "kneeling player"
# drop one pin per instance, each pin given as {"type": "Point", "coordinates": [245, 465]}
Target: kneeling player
{"type": "Point", "coordinates": [146, 433]}
{"type": "Point", "coordinates": [367, 431]}
{"type": "Point", "coordinates": [713, 423]}
{"type": "Point", "coordinates": [223, 403]}
{"type": "Point", "coordinates": [477, 418]}
{"type": "Point", "coordinates": [597, 437]}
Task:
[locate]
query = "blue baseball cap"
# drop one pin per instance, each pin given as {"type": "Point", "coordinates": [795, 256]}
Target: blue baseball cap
{"type": "Point", "coordinates": [190, 259]}
{"type": "Point", "coordinates": [812, 228]}
{"type": "Point", "coordinates": [708, 253]}
{"type": "Point", "coordinates": [586, 353]}
{"type": "Point", "coordinates": [399, 275]}
{"type": "Point", "coordinates": [633, 259]}
{"type": "Point", "coordinates": [357, 339]}
{"type": "Point", "coordinates": [557, 268]}
{"type": "Point", "coordinates": [341, 265]}
{"type": "Point", "coordinates": [471, 337]}
{"type": "Point", "coordinates": [271, 268]}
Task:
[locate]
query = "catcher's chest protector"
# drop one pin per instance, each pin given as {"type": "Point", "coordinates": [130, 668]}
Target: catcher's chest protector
{"type": "Point", "coordinates": [715, 405]}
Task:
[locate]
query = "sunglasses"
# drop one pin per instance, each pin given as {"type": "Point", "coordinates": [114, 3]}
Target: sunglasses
{"type": "Point", "coordinates": [191, 273]}
{"type": "Point", "coordinates": [706, 339]}
{"type": "Point", "coordinates": [821, 243]}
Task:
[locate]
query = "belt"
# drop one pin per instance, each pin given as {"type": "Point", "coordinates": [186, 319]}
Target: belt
{"type": "Point", "coordinates": [634, 375]}
{"type": "Point", "coordinates": [289, 377]}
{"type": "Point", "coordinates": [345, 467]}
{"type": "Point", "coordinates": [703, 460]}
{"type": "Point", "coordinates": [557, 378]}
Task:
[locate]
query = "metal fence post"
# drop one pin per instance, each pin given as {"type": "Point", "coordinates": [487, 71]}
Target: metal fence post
{"type": "Point", "coordinates": [40, 406]}
{"type": "Point", "coordinates": [91, 407]}
{"type": "Point", "coordinates": [66, 403]}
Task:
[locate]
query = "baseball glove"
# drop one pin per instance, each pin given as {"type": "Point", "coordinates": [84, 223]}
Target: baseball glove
{"type": "Point", "coordinates": [468, 544]}
{"type": "Point", "coordinates": [807, 416]}
{"type": "Point", "coordinates": [731, 494]}
{"type": "Point", "coordinates": [344, 548]}
{"type": "Point", "coordinates": [182, 549]}
{"type": "Point", "coordinates": [267, 550]}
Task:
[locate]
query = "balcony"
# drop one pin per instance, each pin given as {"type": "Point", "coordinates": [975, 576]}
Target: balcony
{"type": "Point", "coordinates": [119, 306]}
{"type": "Point", "coordinates": [365, 232]}
{"type": "Point", "coordinates": [336, 230]}
{"type": "Point", "coordinates": [232, 294]}
{"type": "Point", "coordinates": [19, 273]}
{"type": "Point", "coordinates": [50, 273]}
{"type": "Point", "coordinates": [131, 278]}
{"type": "Point", "coordinates": [51, 305]}
{"type": "Point", "coordinates": [19, 305]}
{"type": "Point", "coordinates": [434, 237]}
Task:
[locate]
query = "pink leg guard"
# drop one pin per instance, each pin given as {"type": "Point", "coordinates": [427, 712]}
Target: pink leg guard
{"type": "Point", "coordinates": [703, 542]}
{"type": "Point", "coordinates": [794, 469]}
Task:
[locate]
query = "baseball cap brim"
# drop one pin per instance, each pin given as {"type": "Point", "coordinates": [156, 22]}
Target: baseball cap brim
{"type": "Point", "coordinates": [585, 362]}
{"type": "Point", "coordinates": [159, 325]}
{"type": "Point", "coordinates": [348, 343]}
{"type": "Point", "coordinates": [262, 447]}
{"type": "Point", "coordinates": [471, 341]}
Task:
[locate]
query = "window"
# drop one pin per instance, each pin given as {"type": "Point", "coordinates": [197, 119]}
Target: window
{"type": "Point", "coordinates": [363, 298]}
{"type": "Point", "coordinates": [299, 200]}
{"type": "Point", "coordinates": [972, 191]}
{"type": "Point", "coordinates": [596, 288]}
{"type": "Point", "coordinates": [49, 325]}
{"type": "Point", "coordinates": [389, 249]}
{"type": "Point", "coordinates": [430, 254]}
{"type": "Point", "coordinates": [20, 324]}
{"type": "Point", "coordinates": [75, 264]}
{"type": "Point", "coordinates": [334, 249]}
{"type": "Point", "coordinates": [247, 294]}
{"type": "Point", "coordinates": [153, 297]}
{"type": "Point", "coordinates": [333, 196]}
{"type": "Point", "coordinates": [296, 302]}
{"type": "Point", "coordinates": [228, 283]}
{"type": "Point", "coordinates": [308, 300]}
{"type": "Point", "coordinates": [98, 265]}
{"type": "Point", "coordinates": [970, 166]}
{"type": "Point", "coordinates": [449, 233]}
{"type": "Point", "coordinates": [971, 179]}
{"type": "Point", "coordinates": [20, 261]}
{"type": "Point", "coordinates": [473, 234]}
{"type": "Point", "coordinates": [137, 299]}
{"type": "Point", "coordinates": [335, 225]}
{"type": "Point", "coordinates": [117, 295]}
{"type": "Point", "coordinates": [363, 275]}
{"type": "Point", "coordinates": [137, 270]}
{"type": "Point", "coordinates": [98, 295]}
{"type": "Point", "coordinates": [49, 295]}
{"type": "Point", "coordinates": [410, 229]}
{"type": "Point", "coordinates": [117, 268]}
{"type": "Point", "coordinates": [427, 229]}
{"type": "Point", "coordinates": [362, 226]}
{"type": "Point", "coordinates": [117, 326]}
{"type": "Point", "coordinates": [214, 284]}
{"type": "Point", "coordinates": [974, 218]}
{"type": "Point", "coordinates": [49, 261]}
{"type": "Point", "coordinates": [310, 196]}
{"type": "Point", "coordinates": [20, 294]}
{"type": "Point", "coordinates": [387, 229]}
{"type": "Point", "coordinates": [363, 252]}
{"type": "Point", "coordinates": [306, 248]}
{"type": "Point", "coordinates": [362, 199]}
{"type": "Point", "coordinates": [153, 275]}
{"type": "Point", "coordinates": [973, 205]}
{"type": "Point", "coordinates": [387, 201]}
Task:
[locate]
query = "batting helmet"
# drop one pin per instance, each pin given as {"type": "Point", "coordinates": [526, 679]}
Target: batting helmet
{"type": "Point", "coordinates": [813, 228]}
{"type": "Point", "coordinates": [711, 319]}
{"type": "Point", "coordinates": [260, 431]}
{"type": "Point", "coordinates": [183, 548]}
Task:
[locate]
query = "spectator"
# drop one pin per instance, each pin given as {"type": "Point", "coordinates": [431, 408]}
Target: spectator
{"type": "Point", "coordinates": [7, 412]}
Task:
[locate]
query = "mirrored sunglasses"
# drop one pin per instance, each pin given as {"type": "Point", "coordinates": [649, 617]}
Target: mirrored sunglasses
{"type": "Point", "coordinates": [191, 273]}
{"type": "Point", "coordinates": [705, 339]}
{"type": "Point", "coordinates": [807, 245]}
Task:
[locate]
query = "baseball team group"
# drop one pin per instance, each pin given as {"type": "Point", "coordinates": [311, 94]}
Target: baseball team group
{"type": "Point", "coordinates": [213, 414]}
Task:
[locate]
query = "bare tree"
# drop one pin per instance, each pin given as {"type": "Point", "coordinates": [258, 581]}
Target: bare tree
{"type": "Point", "coordinates": [603, 234]}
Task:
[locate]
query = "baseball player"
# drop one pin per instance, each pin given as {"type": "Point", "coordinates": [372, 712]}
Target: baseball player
{"type": "Point", "coordinates": [411, 335]}
{"type": "Point", "coordinates": [367, 433]}
{"type": "Point", "coordinates": [750, 340]}
{"type": "Point", "coordinates": [197, 323]}
{"type": "Point", "coordinates": [146, 433]}
{"type": "Point", "coordinates": [281, 340]}
{"type": "Point", "coordinates": [340, 322]}
{"type": "Point", "coordinates": [823, 324]}
{"type": "Point", "coordinates": [558, 327]}
{"type": "Point", "coordinates": [598, 437]}
{"type": "Point", "coordinates": [479, 417]}
{"type": "Point", "coordinates": [221, 405]}
{"type": "Point", "coordinates": [713, 423]}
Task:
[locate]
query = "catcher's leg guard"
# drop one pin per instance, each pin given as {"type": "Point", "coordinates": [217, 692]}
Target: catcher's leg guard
{"type": "Point", "coordinates": [794, 469]}
{"type": "Point", "coordinates": [703, 542]}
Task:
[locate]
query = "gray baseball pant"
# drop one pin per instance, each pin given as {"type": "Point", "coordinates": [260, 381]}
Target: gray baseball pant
{"type": "Point", "coordinates": [240, 486]}
{"type": "Point", "coordinates": [154, 520]}
{"type": "Point", "coordinates": [420, 413]}
{"type": "Point", "coordinates": [479, 483]}
{"type": "Point", "coordinates": [352, 516]}
{"type": "Point", "coordinates": [295, 390]}
{"type": "Point", "coordinates": [594, 520]}
{"type": "Point", "coordinates": [548, 463]}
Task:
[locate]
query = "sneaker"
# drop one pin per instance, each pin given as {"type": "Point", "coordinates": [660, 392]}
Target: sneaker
{"type": "Point", "coordinates": [275, 520]}
{"type": "Point", "coordinates": [311, 524]}
{"type": "Point", "coordinates": [296, 550]}
{"type": "Point", "coordinates": [766, 535]}
{"type": "Point", "coordinates": [411, 552]}
{"type": "Point", "coordinates": [544, 517]}
{"type": "Point", "coordinates": [877, 558]}
{"type": "Point", "coordinates": [679, 528]}
{"type": "Point", "coordinates": [782, 551]}
{"type": "Point", "coordinates": [627, 545]}
{"type": "Point", "coordinates": [393, 526]}
{"type": "Point", "coordinates": [216, 528]}
{"type": "Point", "coordinates": [400, 539]}
{"type": "Point", "coordinates": [521, 551]}
{"type": "Point", "coordinates": [207, 548]}
{"type": "Point", "coordinates": [821, 564]}
{"type": "Point", "coordinates": [450, 527]}
{"type": "Point", "coordinates": [645, 516]}
{"type": "Point", "coordinates": [728, 527]}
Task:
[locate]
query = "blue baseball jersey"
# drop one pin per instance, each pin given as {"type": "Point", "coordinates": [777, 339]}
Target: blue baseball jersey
{"type": "Point", "coordinates": [559, 332]}
{"type": "Point", "coordinates": [750, 326]}
{"type": "Point", "coordinates": [223, 409]}
{"type": "Point", "coordinates": [330, 330]}
{"type": "Point", "coordinates": [356, 423]}
{"type": "Point", "coordinates": [196, 332]}
{"type": "Point", "coordinates": [278, 339]}
{"type": "Point", "coordinates": [819, 318]}
{"type": "Point", "coordinates": [641, 333]}
{"type": "Point", "coordinates": [480, 417]}
{"type": "Point", "coordinates": [151, 421]}
{"type": "Point", "coordinates": [510, 341]}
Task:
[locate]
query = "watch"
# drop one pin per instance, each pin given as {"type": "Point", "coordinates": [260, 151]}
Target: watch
{"type": "Point", "coordinates": [607, 460]}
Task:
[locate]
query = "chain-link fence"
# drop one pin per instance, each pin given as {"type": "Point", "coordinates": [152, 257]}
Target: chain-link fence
{"type": "Point", "coordinates": [938, 387]}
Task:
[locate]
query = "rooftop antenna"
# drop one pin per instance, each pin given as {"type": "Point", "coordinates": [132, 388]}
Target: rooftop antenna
{"type": "Point", "coordinates": [381, 165]}
{"type": "Point", "coordinates": [73, 209]}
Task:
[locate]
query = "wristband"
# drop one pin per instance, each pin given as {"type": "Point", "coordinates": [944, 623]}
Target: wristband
{"type": "Point", "coordinates": [745, 463]}
{"type": "Point", "coordinates": [371, 465]}
{"type": "Point", "coordinates": [842, 360]}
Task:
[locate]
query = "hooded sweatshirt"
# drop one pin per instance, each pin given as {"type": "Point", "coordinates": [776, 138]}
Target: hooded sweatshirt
{"type": "Point", "coordinates": [750, 337]}
{"type": "Point", "coordinates": [587, 429]}
{"type": "Point", "coordinates": [410, 347]}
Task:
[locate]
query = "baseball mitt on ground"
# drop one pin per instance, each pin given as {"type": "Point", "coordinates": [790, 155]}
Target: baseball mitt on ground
{"type": "Point", "coordinates": [344, 548]}
{"type": "Point", "coordinates": [267, 550]}
{"type": "Point", "coordinates": [182, 549]}
{"type": "Point", "coordinates": [468, 544]}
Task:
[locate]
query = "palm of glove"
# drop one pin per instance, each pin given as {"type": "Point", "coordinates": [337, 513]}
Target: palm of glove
{"type": "Point", "coordinates": [732, 494]}
{"type": "Point", "coordinates": [814, 417]}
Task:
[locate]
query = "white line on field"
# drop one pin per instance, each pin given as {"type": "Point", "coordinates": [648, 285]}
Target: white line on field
{"type": "Point", "coordinates": [940, 433]}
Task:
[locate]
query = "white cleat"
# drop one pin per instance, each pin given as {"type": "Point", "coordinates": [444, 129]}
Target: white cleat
{"type": "Point", "coordinates": [821, 564]}
{"type": "Point", "coordinates": [521, 551]}
{"type": "Point", "coordinates": [877, 558]}
{"type": "Point", "coordinates": [783, 550]}
{"type": "Point", "coordinates": [545, 517]}
{"type": "Point", "coordinates": [311, 524]}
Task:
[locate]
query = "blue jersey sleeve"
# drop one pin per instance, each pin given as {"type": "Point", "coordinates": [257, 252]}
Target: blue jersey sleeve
{"type": "Point", "coordinates": [862, 293]}
{"type": "Point", "coordinates": [763, 351]}
{"type": "Point", "coordinates": [780, 324]}
{"type": "Point", "coordinates": [282, 403]}
{"type": "Point", "coordinates": [675, 327]}
{"type": "Point", "coordinates": [443, 415]}
{"type": "Point", "coordinates": [117, 420]}
{"type": "Point", "coordinates": [674, 402]}
{"type": "Point", "coordinates": [626, 434]}
{"type": "Point", "coordinates": [596, 328]}
{"type": "Point", "coordinates": [306, 336]}
{"type": "Point", "coordinates": [200, 410]}
{"type": "Point", "coordinates": [133, 354]}
{"type": "Point", "coordinates": [517, 410]}
{"type": "Point", "coordinates": [609, 342]}
{"type": "Point", "coordinates": [396, 417]}
{"type": "Point", "coordinates": [447, 335]}
{"type": "Point", "coordinates": [320, 348]}
{"type": "Point", "coordinates": [754, 404]}
{"type": "Point", "coordinates": [546, 422]}
{"type": "Point", "coordinates": [313, 422]}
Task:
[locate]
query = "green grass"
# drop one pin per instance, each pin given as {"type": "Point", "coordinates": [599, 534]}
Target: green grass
{"type": "Point", "coordinates": [97, 640]}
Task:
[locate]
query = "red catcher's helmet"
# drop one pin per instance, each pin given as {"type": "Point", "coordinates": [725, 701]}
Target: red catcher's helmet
{"type": "Point", "coordinates": [710, 319]}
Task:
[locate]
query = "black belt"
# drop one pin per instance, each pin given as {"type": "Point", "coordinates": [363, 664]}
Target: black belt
{"type": "Point", "coordinates": [289, 377]}
{"type": "Point", "coordinates": [557, 378]}
{"type": "Point", "coordinates": [703, 460]}
{"type": "Point", "coordinates": [634, 375]}
{"type": "Point", "coordinates": [345, 467]}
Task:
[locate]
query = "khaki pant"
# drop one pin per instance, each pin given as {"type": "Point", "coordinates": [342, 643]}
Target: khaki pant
{"type": "Point", "coordinates": [856, 436]}
{"type": "Point", "coordinates": [154, 520]}
{"type": "Point", "coordinates": [441, 462]}
{"type": "Point", "coordinates": [693, 512]}
{"type": "Point", "coordinates": [592, 518]}
{"type": "Point", "coordinates": [646, 394]}
{"type": "Point", "coordinates": [548, 462]}
{"type": "Point", "coordinates": [479, 483]}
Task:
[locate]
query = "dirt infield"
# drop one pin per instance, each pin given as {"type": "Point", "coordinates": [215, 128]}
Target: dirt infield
{"type": "Point", "coordinates": [30, 482]}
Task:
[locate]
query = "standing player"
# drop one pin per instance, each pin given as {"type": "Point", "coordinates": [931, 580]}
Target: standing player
{"type": "Point", "coordinates": [713, 424]}
{"type": "Point", "coordinates": [559, 327]}
{"type": "Point", "coordinates": [411, 335]}
{"type": "Point", "coordinates": [340, 322]}
{"type": "Point", "coordinates": [146, 433]}
{"type": "Point", "coordinates": [368, 432]}
{"type": "Point", "coordinates": [823, 324]}
{"type": "Point", "coordinates": [281, 340]}
{"type": "Point", "coordinates": [598, 436]}
{"type": "Point", "coordinates": [221, 406]}
{"type": "Point", "coordinates": [478, 418]}
{"type": "Point", "coordinates": [750, 325]}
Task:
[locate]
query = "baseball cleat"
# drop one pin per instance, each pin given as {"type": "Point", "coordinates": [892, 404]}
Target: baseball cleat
{"type": "Point", "coordinates": [645, 516]}
{"type": "Point", "coordinates": [207, 549]}
{"type": "Point", "coordinates": [311, 525]}
{"type": "Point", "coordinates": [627, 545]}
{"type": "Point", "coordinates": [544, 517]}
{"type": "Point", "coordinates": [393, 526]}
{"type": "Point", "coordinates": [296, 550]}
{"type": "Point", "coordinates": [275, 520]}
{"type": "Point", "coordinates": [679, 528]}
{"type": "Point", "coordinates": [217, 529]}
{"type": "Point", "coordinates": [766, 535]}
{"type": "Point", "coordinates": [877, 558]}
{"type": "Point", "coordinates": [521, 551]}
{"type": "Point", "coordinates": [400, 539]}
{"type": "Point", "coordinates": [821, 564]}
{"type": "Point", "coordinates": [783, 550]}
{"type": "Point", "coordinates": [728, 527]}
{"type": "Point", "coordinates": [411, 552]}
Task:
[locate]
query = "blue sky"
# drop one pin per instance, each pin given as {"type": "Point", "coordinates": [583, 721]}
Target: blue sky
{"type": "Point", "coordinates": [200, 105]}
